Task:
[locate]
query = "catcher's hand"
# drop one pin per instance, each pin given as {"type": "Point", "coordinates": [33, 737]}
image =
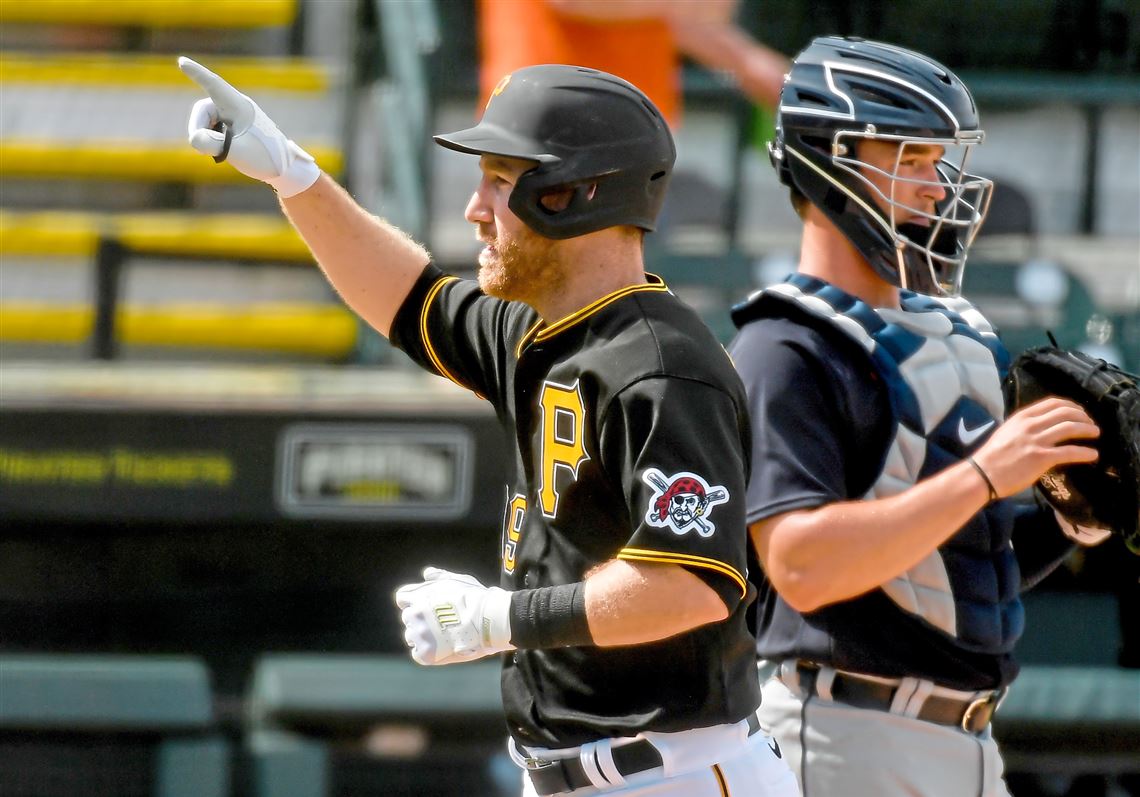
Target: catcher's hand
{"type": "Point", "coordinates": [1104, 494]}
{"type": "Point", "coordinates": [451, 617]}
{"type": "Point", "coordinates": [229, 126]}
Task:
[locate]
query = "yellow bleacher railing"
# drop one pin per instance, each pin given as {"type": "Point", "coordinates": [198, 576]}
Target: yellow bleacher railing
{"type": "Point", "coordinates": [303, 329]}
{"type": "Point", "coordinates": [151, 13]}
{"type": "Point", "coordinates": [127, 161]}
{"type": "Point", "coordinates": [146, 69]}
{"type": "Point", "coordinates": [77, 234]}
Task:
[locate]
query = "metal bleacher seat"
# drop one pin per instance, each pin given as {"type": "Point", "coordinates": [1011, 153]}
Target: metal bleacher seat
{"type": "Point", "coordinates": [93, 152]}
{"type": "Point", "coordinates": [128, 102]}
{"type": "Point", "coordinates": [81, 114]}
{"type": "Point", "coordinates": [325, 330]}
{"type": "Point", "coordinates": [106, 726]}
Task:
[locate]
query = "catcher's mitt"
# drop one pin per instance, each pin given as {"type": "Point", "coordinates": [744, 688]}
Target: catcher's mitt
{"type": "Point", "coordinates": [1105, 493]}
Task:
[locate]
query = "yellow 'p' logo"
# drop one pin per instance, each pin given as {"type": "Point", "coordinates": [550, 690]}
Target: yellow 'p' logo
{"type": "Point", "coordinates": [563, 427]}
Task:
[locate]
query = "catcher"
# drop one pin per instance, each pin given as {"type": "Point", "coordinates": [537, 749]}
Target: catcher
{"type": "Point", "coordinates": [883, 460]}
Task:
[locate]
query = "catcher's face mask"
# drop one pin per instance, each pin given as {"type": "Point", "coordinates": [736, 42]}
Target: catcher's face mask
{"type": "Point", "coordinates": [928, 206]}
{"type": "Point", "coordinates": [841, 92]}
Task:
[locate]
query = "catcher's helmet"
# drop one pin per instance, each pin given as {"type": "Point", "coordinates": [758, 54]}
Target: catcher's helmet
{"type": "Point", "coordinates": [585, 128]}
{"type": "Point", "coordinates": [841, 91]}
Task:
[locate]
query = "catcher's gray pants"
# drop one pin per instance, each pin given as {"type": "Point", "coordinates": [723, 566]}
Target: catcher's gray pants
{"type": "Point", "coordinates": [836, 749]}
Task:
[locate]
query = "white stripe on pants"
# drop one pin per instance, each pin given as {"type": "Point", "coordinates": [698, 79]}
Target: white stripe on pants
{"type": "Point", "coordinates": [752, 770]}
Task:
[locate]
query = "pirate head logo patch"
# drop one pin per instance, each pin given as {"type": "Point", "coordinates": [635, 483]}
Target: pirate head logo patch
{"type": "Point", "coordinates": [682, 502]}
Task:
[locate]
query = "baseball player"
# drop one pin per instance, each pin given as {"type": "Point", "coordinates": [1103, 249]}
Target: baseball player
{"type": "Point", "coordinates": [630, 667]}
{"type": "Point", "coordinates": [882, 458]}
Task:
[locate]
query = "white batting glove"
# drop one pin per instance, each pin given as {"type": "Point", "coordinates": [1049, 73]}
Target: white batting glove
{"type": "Point", "coordinates": [451, 617]}
{"type": "Point", "coordinates": [257, 148]}
{"type": "Point", "coordinates": [1087, 536]}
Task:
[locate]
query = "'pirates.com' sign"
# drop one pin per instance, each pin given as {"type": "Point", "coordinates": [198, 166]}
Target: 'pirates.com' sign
{"type": "Point", "coordinates": [374, 471]}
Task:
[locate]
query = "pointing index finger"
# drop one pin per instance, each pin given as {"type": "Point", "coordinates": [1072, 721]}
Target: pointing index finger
{"type": "Point", "coordinates": [229, 101]}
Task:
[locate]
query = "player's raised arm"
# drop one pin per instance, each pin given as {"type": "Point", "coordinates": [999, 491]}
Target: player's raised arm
{"type": "Point", "coordinates": [372, 264]}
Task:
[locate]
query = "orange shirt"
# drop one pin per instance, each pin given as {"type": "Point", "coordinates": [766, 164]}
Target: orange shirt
{"type": "Point", "coordinates": [518, 33]}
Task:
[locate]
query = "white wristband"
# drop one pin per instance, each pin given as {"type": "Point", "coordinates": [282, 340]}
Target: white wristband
{"type": "Point", "coordinates": [496, 630]}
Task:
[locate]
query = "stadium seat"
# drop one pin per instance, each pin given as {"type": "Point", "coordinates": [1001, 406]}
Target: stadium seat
{"type": "Point", "coordinates": [1071, 720]}
{"type": "Point", "coordinates": [147, 719]}
{"type": "Point", "coordinates": [302, 708]}
{"type": "Point", "coordinates": [1024, 299]}
{"type": "Point", "coordinates": [1010, 212]}
{"type": "Point", "coordinates": [709, 282]}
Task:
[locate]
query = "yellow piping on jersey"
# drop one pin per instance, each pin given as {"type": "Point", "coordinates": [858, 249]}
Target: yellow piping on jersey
{"type": "Point", "coordinates": [692, 560]}
{"type": "Point", "coordinates": [432, 293]}
{"type": "Point", "coordinates": [655, 284]}
{"type": "Point", "coordinates": [526, 338]}
{"type": "Point", "coordinates": [720, 781]}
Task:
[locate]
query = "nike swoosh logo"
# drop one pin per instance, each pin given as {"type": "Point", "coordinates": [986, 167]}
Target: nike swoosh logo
{"type": "Point", "coordinates": [774, 746]}
{"type": "Point", "coordinates": [968, 436]}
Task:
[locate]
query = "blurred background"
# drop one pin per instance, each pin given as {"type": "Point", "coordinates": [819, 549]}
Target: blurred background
{"type": "Point", "coordinates": [212, 478]}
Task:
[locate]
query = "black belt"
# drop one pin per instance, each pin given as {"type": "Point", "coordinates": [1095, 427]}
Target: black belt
{"type": "Point", "coordinates": [971, 715]}
{"type": "Point", "coordinates": [551, 776]}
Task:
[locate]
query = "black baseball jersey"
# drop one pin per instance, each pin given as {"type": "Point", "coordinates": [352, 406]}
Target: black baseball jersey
{"type": "Point", "coordinates": [631, 442]}
{"type": "Point", "coordinates": [823, 425]}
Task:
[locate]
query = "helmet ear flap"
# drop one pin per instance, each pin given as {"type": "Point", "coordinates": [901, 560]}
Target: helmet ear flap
{"type": "Point", "coordinates": [834, 200]}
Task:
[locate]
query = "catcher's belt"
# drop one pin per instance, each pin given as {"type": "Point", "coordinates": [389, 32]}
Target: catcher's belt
{"type": "Point", "coordinates": [970, 711]}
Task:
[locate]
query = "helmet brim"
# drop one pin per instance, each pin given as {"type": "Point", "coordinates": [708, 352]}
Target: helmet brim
{"type": "Point", "coordinates": [491, 139]}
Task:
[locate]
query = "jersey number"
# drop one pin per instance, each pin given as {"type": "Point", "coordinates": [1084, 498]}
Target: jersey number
{"type": "Point", "coordinates": [563, 423]}
{"type": "Point", "coordinates": [512, 528]}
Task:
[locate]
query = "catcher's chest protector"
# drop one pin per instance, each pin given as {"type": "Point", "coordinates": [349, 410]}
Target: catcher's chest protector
{"type": "Point", "coordinates": [943, 366]}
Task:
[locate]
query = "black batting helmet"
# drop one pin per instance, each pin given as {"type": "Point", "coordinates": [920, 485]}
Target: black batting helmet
{"type": "Point", "coordinates": [585, 129]}
{"type": "Point", "coordinates": [841, 91]}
